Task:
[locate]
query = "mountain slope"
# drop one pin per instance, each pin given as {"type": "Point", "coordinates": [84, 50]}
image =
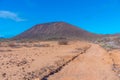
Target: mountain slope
{"type": "Point", "coordinates": [55, 30]}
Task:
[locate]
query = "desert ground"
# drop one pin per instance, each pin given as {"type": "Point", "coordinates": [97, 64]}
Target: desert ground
{"type": "Point", "coordinates": [52, 60]}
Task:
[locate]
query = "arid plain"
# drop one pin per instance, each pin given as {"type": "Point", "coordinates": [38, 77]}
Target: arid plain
{"type": "Point", "coordinates": [54, 60]}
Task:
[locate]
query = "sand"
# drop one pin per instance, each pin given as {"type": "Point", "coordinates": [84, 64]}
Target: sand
{"type": "Point", "coordinates": [76, 61]}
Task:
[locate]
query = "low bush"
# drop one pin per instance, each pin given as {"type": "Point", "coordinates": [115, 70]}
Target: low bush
{"type": "Point", "coordinates": [63, 42]}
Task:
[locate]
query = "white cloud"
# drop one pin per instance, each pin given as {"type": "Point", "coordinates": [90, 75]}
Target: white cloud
{"type": "Point", "coordinates": [10, 15]}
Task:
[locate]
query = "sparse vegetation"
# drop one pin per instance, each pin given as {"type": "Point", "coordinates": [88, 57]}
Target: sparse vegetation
{"type": "Point", "coordinates": [23, 62]}
{"type": "Point", "coordinates": [41, 45]}
{"type": "Point", "coordinates": [63, 42]}
{"type": "Point", "coordinates": [108, 43]}
{"type": "Point", "coordinates": [4, 74]}
{"type": "Point", "coordinates": [14, 45]}
{"type": "Point", "coordinates": [108, 47]}
{"type": "Point", "coordinates": [6, 50]}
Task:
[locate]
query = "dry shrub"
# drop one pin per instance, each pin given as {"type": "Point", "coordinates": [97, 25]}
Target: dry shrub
{"type": "Point", "coordinates": [3, 44]}
{"type": "Point", "coordinates": [63, 42]}
{"type": "Point", "coordinates": [13, 45]}
{"type": "Point", "coordinates": [5, 50]}
{"type": "Point", "coordinates": [41, 45]}
{"type": "Point", "coordinates": [22, 63]}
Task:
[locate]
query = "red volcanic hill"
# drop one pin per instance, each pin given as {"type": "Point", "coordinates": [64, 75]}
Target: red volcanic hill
{"type": "Point", "coordinates": [56, 30]}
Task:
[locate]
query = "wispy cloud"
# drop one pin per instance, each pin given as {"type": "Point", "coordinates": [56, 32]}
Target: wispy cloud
{"type": "Point", "coordinates": [10, 15]}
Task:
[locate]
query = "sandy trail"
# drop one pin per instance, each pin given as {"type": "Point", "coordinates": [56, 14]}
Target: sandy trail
{"type": "Point", "coordinates": [95, 64]}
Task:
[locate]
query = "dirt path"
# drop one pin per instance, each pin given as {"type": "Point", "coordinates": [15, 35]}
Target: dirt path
{"type": "Point", "coordinates": [59, 68]}
{"type": "Point", "coordinates": [95, 64]}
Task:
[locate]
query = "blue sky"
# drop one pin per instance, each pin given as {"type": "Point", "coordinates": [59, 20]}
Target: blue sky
{"type": "Point", "coordinates": [97, 16]}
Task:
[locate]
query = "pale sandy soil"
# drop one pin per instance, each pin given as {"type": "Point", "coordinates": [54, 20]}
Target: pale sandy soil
{"type": "Point", "coordinates": [27, 63]}
{"type": "Point", "coordinates": [95, 64]}
{"type": "Point", "coordinates": [75, 61]}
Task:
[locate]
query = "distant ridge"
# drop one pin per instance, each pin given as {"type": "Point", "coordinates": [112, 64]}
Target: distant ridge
{"type": "Point", "coordinates": [56, 30]}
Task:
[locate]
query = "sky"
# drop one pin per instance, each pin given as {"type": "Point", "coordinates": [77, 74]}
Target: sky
{"type": "Point", "coordinates": [96, 16]}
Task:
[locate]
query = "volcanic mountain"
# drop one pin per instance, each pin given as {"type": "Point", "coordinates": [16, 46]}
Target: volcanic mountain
{"type": "Point", "coordinates": [56, 30]}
